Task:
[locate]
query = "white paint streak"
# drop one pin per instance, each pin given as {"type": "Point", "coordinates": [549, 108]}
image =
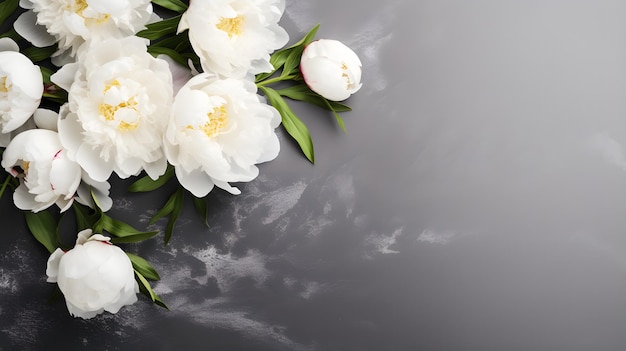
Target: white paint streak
{"type": "Point", "coordinates": [282, 200]}
{"type": "Point", "coordinates": [310, 289]}
{"type": "Point", "coordinates": [8, 282]}
{"type": "Point", "coordinates": [382, 243]}
{"type": "Point", "coordinates": [433, 237]}
{"type": "Point", "coordinates": [227, 268]}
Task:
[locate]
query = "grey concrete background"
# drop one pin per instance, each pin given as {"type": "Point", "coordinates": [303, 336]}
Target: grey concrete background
{"type": "Point", "coordinates": [476, 202]}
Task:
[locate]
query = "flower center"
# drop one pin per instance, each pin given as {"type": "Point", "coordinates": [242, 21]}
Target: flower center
{"type": "Point", "coordinates": [232, 26]}
{"type": "Point", "coordinates": [109, 111]}
{"type": "Point", "coordinates": [217, 121]}
{"type": "Point", "coordinates": [81, 5]}
{"type": "Point", "coordinates": [4, 88]}
{"type": "Point", "coordinates": [20, 171]}
{"type": "Point", "coordinates": [345, 75]}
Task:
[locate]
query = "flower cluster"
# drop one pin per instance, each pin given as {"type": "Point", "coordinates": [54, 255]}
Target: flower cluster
{"type": "Point", "coordinates": [128, 93]}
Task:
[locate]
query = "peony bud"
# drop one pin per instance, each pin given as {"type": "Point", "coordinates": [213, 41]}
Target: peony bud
{"type": "Point", "coordinates": [331, 69]}
{"type": "Point", "coordinates": [94, 276]}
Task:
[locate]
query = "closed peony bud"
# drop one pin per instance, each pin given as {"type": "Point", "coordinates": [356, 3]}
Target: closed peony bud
{"type": "Point", "coordinates": [331, 69]}
{"type": "Point", "coordinates": [94, 276]}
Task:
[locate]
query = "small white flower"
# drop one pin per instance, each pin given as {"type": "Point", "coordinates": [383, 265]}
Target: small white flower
{"type": "Point", "coordinates": [95, 276]}
{"type": "Point", "coordinates": [219, 129]}
{"type": "Point", "coordinates": [47, 176]}
{"type": "Point", "coordinates": [21, 89]}
{"type": "Point", "coordinates": [235, 37]}
{"type": "Point", "coordinates": [73, 22]}
{"type": "Point", "coordinates": [118, 107]}
{"type": "Point", "coordinates": [331, 69]}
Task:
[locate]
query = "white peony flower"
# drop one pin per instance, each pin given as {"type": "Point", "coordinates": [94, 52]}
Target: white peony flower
{"type": "Point", "coordinates": [118, 107]}
{"type": "Point", "coordinates": [219, 129]}
{"type": "Point", "coordinates": [73, 22]}
{"type": "Point", "coordinates": [95, 276]}
{"type": "Point", "coordinates": [331, 69]}
{"type": "Point", "coordinates": [47, 176]}
{"type": "Point", "coordinates": [235, 37]}
{"type": "Point", "coordinates": [21, 89]}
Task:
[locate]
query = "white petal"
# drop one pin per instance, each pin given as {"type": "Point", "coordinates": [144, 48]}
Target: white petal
{"type": "Point", "coordinates": [46, 119]}
{"type": "Point", "coordinates": [26, 201]}
{"type": "Point", "coordinates": [25, 25]}
{"type": "Point", "coordinates": [83, 236]}
{"type": "Point", "coordinates": [225, 186]}
{"type": "Point", "coordinates": [180, 74]}
{"type": "Point", "coordinates": [64, 175]}
{"type": "Point", "coordinates": [26, 4]}
{"type": "Point", "coordinates": [8, 44]}
{"type": "Point", "coordinates": [196, 181]}
{"type": "Point", "coordinates": [64, 77]}
{"type": "Point", "coordinates": [93, 164]}
{"type": "Point", "coordinates": [52, 268]}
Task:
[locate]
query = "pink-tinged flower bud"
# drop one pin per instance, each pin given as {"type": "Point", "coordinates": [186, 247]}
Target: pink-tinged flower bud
{"type": "Point", "coordinates": [331, 69]}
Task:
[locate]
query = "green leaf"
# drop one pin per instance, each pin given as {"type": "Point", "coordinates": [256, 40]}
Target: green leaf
{"type": "Point", "coordinates": [302, 92]}
{"type": "Point", "coordinates": [174, 5]}
{"type": "Point", "coordinates": [86, 218]}
{"type": "Point", "coordinates": [307, 38]}
{"type": "Point", "coordinates": [180, 194]}
{"type": "Point", "coordinates": [148, 184]}
{"type": "Point", "coordinates": [160, 29]}
{"type": "Point", "coordinates": [202, 209]}
{"type": "Point", "coordinates": [138, 237]}
{"type": "Point", "coordinates": [143, 267]}
{"type": "Point", "coordinates": [337, 117]}
{"type": "Point", "coordinates": [172, 209]}
{"type": "Point", "coordinates": [7, 8]}
{"type": "Point", "coordinates": [166, 209]}
{"type": "Point", "coordinates": [293, 125]}
{"type": "Point", "coordinates": [123, 232]}
{"type": "Point", "coordinates": [146, 289]}
{"type": "Point", "coordinates": [288, 57]}
{"type": "Point", "coordinates": [36, 54]}
{"type": "Point", "coordinates": [176, 56]}
{"type": "Point", "coordinates": [5, 183]}
{"type": "Point", "coordinates": [178, 43]}
{"type": "Point", "coordinates": [43, 227]}
{"type": "Point", "coordinates": [292, 62]}
{"type": "Point", "coordinates": [46, 73]}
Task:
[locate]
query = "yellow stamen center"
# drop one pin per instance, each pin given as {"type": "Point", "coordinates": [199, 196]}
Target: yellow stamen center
{"type": "Point", "coordinates": [25, 165]}
{"type": "Point", "coordinates": [232, 26]}
{"type": "Point", "coordinates": [218, 120]}
{"type": "Point", "coordinates": [3, 85]}
{"type": "Point", "coordinates": [108, 111]}
{"type": "Point", "coordinates": [81, 5]}
{"type": "Point", "coordinates": [345, 75]}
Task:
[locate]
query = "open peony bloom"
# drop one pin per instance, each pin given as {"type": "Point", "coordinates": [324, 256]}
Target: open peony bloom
{"type": "Point", "coordinates": [219, 129]}
{"type": "Point", "coordinates": [331, 69]}
{"type": "Point", "coordinates": [118, 107]}
{"type": "Point", "coordinates": [73, 22]}
{"type": "Point", "coordinates": [47, 176]}
{"type": "Point", "coordinates": [95, 276]}
{"type": "Point", "coordinates": [235, 37]}
{"type": "Point", "coordinates": [21, 88]}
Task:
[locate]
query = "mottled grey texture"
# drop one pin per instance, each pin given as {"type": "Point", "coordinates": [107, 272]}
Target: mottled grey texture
{"type": "Point", "coordinates": [476, 202]}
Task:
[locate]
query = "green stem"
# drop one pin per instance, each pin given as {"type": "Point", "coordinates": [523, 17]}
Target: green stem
{"type": "Point", "coordinates": [276, 79]}
{"type": "Point", "coordinates": [11, 34]}
{"type": "Point", "coordinates": [4, 185]}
